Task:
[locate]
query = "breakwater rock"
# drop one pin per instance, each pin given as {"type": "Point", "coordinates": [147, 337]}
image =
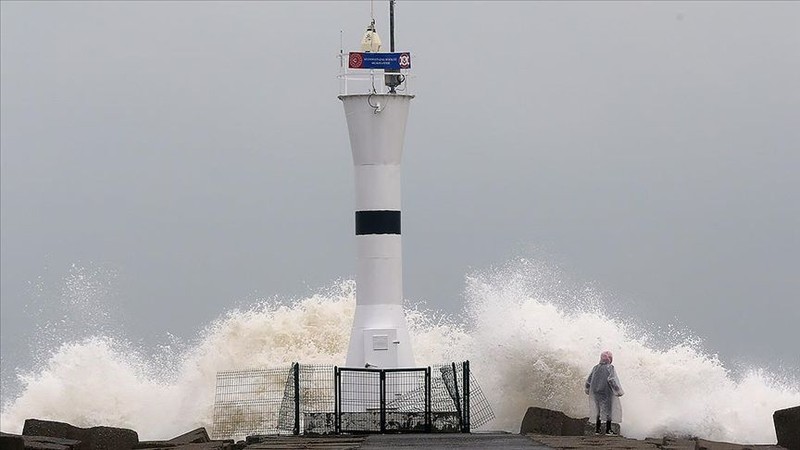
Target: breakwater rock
{"type": "Point", "coordinates": [95, 438]}
{"type": "Point", "coordinates": [787, 427]}
{"type": "Point", "coordinates": [555, 423]}
{"type": "Point", "coordinates": [52, 435]}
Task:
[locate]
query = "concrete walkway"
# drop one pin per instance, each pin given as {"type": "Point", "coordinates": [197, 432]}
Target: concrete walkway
{"type": "Point", "coordinates": [480, 440]}
{"type": "Point", "coordinates": [451, 441]}
{"type": "Point", "coordinates": [598, 442]}
{"type": "Point", "coordinates": [623, 443]}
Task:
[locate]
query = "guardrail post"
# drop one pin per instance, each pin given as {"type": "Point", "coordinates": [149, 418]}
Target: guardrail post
{"type": "Point", "coordinates": [465, 383]}
{"type": "Point", "coordinates": [383, 401]}
{"type": "Point", "coordinates": [428, 425]}
{"type": "Point", "coordinates": [296, 370]}
{"type": "Point", "coordinates": [458, 398]}
{"type": "Point", "coordinates": [337, 400]}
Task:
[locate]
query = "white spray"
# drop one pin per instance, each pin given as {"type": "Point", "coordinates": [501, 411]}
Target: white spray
{"type": "Point", "coordinates": [531, 340]}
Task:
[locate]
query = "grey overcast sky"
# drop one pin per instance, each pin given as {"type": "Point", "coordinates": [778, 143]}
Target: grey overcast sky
{"type": "Point", "coordinates": [198, 151]}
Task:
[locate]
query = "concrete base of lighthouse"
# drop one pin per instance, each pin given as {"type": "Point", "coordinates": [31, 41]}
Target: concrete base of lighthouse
{"type": "Point", "coordinates": [379, 338]}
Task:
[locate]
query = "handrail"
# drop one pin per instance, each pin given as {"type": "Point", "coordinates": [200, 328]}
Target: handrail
{"type": "Point", "coordinates": [366, 81]}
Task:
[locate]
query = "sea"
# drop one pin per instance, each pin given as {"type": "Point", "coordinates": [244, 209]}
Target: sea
{"type": "Point", "coordinates": [530, 336]}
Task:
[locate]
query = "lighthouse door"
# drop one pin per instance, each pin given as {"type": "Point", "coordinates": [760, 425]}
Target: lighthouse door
{"type": "Point", "coordinates": [380, 347]}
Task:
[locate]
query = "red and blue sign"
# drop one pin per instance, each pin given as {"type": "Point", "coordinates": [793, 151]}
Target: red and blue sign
{"type": "Point", "coordinates": [390, 61]}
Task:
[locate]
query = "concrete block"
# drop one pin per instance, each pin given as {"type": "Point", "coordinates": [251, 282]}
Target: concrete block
{"type": "Point", "coordinates": [51, 443]}
{"type": "Point", "coordinates": [196, 436]}
{"type": "Point", "coordinates": [95, 438]}
{"type": "Point", "coordinates": [11, 442]}
{"type": "Point", "coordinates": [787, 427]}
{"type": "Point", "coordinates": [552, 423]}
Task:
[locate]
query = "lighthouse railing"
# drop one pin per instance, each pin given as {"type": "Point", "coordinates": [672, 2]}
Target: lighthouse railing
{"type": "Point", "coordinates": [372, 81]}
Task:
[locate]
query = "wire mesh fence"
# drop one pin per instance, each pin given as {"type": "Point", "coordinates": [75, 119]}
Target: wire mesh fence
{"type": "Point", "coordinates": [382, 400]}
{"type": "Point", "coordinates": [454, 388]}
{"type": "Point", "coordinates": [407, 416]}
{"type": "Point", "coordinates": [251, 402]}
{"type": "Point", "coordinates": [359, 394]}
{"type": "Point", "coordinates": [321, 399]}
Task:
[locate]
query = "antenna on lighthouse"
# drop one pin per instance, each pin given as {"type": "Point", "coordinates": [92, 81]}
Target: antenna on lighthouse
{"type": "Point", "coordinates": [391, 25]}
{"type": "Point", "coordinates": [392, 78]}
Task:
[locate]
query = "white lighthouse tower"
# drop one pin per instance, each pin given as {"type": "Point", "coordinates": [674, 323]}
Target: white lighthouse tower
{"type": "Point", "coordinates": [376, 121]}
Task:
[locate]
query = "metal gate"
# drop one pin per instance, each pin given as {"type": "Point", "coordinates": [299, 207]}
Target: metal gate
{"type": "Point", "coordinates": [382, 400]}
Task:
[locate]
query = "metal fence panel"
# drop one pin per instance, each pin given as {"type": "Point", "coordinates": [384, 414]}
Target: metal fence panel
{"type": "Point", "coordinates": [250, 402]}
{"type": "Point", "coordinates": [321, 399]}
{"type": "Point", "coordinates": [407, 406]}
{"type": "Point", "coordinates": [359, 400]}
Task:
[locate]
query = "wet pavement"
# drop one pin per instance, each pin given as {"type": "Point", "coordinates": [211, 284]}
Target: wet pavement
{"type": "Point", "coordinates": [451, 441]}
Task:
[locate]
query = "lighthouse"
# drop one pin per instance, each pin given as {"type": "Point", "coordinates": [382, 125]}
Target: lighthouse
{"type": "Point", "coordinates": [376, 122]}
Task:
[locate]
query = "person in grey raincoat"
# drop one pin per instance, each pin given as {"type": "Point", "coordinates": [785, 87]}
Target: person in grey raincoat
{"type": "Point", "coordinates": [604, 388]}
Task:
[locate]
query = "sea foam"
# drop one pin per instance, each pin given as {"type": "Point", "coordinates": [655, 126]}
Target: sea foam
{"type": "Point", "coordinates": [531, 338]}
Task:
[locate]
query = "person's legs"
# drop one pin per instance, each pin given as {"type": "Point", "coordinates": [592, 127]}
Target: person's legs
{"type": "Point", "coordinates": [606, 412]}
{"type": "Point", "coordinates": [598, 408]}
